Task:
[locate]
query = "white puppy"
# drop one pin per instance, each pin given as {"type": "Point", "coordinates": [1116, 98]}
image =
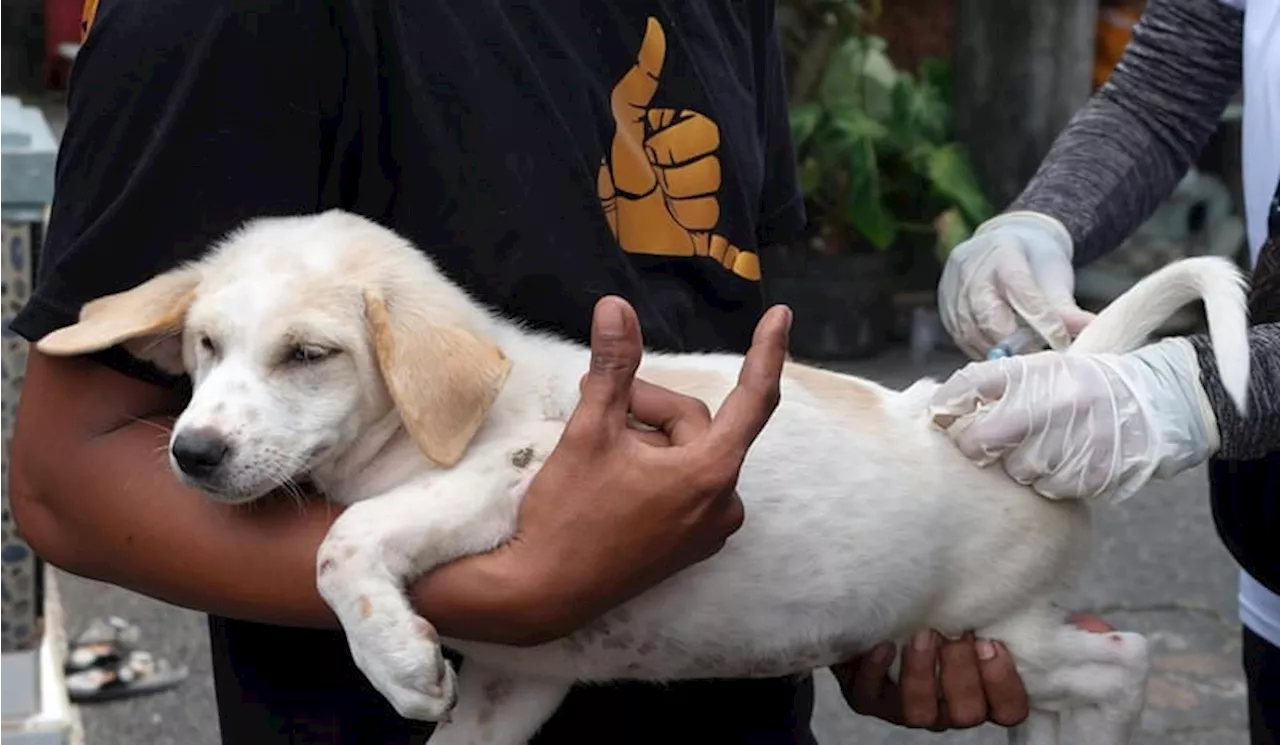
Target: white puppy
{"type": "Point", "coordinates": [327, 347]}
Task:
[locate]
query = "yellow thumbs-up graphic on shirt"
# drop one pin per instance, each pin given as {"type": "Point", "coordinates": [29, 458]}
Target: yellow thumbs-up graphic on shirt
{"type": "Point", "coordinates": [659, 183]}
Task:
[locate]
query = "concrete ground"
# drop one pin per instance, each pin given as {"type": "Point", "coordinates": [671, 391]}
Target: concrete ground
{"type": "Point", "coordinates": [1158, 569]}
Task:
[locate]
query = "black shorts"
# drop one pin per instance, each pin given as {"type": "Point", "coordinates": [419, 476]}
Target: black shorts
{"type": "Point", "coordinates": [278, 686]}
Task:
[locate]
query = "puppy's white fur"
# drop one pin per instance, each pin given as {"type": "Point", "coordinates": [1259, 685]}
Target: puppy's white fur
{"type": "Point", "coordinates": [326, 347]}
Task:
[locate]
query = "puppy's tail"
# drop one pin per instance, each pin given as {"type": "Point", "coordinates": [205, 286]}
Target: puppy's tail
{"type": "Point", "coordinates": [1127, 322]}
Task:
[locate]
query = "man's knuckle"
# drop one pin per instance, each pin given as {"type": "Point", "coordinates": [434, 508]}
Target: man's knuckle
{"type": "Point", "coordinates": [966, 714]}
{"type": "Point", "coordinates": [697, 409]}
{"type": "Point", "coordinates": [735, 514]}
{"type": "Point", "coordinates": [919, 715]}
{"type": "Point", "coordinates": [1011, 715]}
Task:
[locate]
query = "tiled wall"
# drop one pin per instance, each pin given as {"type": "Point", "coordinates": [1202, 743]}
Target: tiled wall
{"type": "Point", "coordinates": [21, 591]}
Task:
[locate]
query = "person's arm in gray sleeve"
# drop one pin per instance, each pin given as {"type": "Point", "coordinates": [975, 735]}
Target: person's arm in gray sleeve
{"type": "Point", "coordinates": [1124, 152]}
{"type": "Point", "coordinates": [1113, 164]}
{"type": "Point", "coordinates": [1252, 436]}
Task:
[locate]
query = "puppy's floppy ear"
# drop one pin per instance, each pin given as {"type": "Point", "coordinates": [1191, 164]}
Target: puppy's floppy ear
{"type": "Point", "coordinates": [147, 320]}
{"type": "Point", "coordinates": [442, 378]}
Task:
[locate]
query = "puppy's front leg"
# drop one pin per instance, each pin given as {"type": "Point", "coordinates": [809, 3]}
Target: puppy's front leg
{"type": "Point", "coordinates": [376, 548]}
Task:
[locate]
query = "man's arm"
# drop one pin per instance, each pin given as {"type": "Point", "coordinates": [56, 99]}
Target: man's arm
{"type": "Point", "coordinates": [1127, 148]}
{"type": "Point", "coordinates": [1255, 435]}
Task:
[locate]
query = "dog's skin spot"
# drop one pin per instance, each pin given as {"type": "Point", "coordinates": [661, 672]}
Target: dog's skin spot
{"type": "Point", "coordinates": [647, 648]}
{"type": "Point", "coordinates": [497, 690]}
{"type": "Point", "coordinates": [846, 391]}
{"type": "Point", "coordinates": [326, 566]}
{"type": "Point", "coordinates": [522, 457]}
{"type": "Point", "coordinates": [366, 607]}
{"type": "Point", "coordinates": [573, 645]}
{"type": "Point", "coordinates": [348, 552]}
{"type": "Point", "coordinates": [219, 408]}
{"type": "Point", "coordinates": [1117, 639]}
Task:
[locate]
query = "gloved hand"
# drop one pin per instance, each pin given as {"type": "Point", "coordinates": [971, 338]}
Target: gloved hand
{"type": "Point", "coordinates": [1093, 426]}
{"type": "Point", "coordinates": [1015, 266]}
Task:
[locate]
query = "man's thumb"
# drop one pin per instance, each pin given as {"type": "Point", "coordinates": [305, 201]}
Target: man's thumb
{"type": "Point", "coordinates": [616, 349]}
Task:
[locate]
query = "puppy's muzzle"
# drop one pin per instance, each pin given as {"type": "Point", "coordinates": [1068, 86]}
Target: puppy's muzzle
{"type": "Point", "coordinates": [200, 452]}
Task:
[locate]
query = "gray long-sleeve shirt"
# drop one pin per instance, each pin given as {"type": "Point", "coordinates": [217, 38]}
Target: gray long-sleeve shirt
{"type": "Point", "coordinates": [1125, 151]}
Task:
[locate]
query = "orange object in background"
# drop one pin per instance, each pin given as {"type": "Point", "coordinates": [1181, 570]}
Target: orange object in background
{"type": "Point", "coordinates": [62, 21]}
{"type": "Point", "coordinates": [1116, 19]}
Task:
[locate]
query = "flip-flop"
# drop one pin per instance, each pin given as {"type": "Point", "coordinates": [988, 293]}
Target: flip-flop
{"type": "Point", "coordinates": [103, 664]}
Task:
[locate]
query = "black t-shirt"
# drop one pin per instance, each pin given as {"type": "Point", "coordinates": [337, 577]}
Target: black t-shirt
{"type": "Point", "coordinates": [543, 152]}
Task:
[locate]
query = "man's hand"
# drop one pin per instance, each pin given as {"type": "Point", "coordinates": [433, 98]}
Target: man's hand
{"type": "Point", "coordinates": [615, 510]}
{"type": "Point", "coordinates": [944, 684]}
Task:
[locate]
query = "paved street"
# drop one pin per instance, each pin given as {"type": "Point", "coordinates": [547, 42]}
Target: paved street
{"type": "Point", "coordinates": [1158, 569]}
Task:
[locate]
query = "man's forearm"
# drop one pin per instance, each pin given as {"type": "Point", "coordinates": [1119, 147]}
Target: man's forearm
{"type": "Point", "coordinates": [132, 524]}
{"type": "Point", "coordinates": [117, 514]}
{"type": "Point", "coordinates": [1124, 152]}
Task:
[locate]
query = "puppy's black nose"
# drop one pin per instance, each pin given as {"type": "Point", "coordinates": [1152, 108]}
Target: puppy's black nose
{"type": "Point", "coordinates": [199, 452]}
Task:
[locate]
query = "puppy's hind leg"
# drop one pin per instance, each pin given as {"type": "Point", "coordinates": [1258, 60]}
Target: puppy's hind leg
{"type": "Point", "coordinates": [497, 708]}
{"type": "Point", "coordinates": [1085, 684]}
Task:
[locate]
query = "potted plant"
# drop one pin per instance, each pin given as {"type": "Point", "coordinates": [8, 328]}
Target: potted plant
{"type": "Point", "coordinates": [887, 192]}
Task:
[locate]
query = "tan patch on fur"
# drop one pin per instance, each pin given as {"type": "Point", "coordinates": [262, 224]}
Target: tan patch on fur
{"type": "Point", "coordinates": [708, 386]}
{"type": "Point", "coordinates": [366, 607]}
{"type": "Point", "coordinates": [850, 394]}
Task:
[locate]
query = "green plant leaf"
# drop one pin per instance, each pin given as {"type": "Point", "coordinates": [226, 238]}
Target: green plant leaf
{"type": "Point", "coordinates": [853, 124]}
{"type": "Point", "coordinates": [936, 73]}
{"type": "Point", "coordinates": [864, 207]}
{"type": "Point", "coordinates": [952, 229]}
{"type": "Point", "coordinates": [951, 175]}
{"type": "Point", "coordinates": [804, 122]}
{"type": "Point", "coordinates": [860, 74]}
{"type": "Point", "coordinates": [920, 113]}
{"type": "Point", "coordinates": [810, 176]}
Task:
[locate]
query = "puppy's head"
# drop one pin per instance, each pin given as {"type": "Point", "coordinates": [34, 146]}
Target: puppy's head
{"type": "Point", "coordinates": [299, 334]}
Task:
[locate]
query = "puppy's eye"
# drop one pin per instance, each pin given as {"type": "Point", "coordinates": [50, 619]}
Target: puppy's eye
{"type": "Point", "coordinates": [304, 354]}
{"type": "Point", "coordinates": [207, 344]}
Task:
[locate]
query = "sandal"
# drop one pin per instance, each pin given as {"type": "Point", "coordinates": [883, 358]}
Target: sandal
{"type": "Point", "coordinates": [103, 664]}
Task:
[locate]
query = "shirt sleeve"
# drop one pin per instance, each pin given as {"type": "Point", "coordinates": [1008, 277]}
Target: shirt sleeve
{"type": "Point", "coordinates": [1255, 435]}
{"type": "Point", "coordinates": [782, 213]}
{"type": "Point", "coordinates": [184, 119]}
{"type": "Point", "coordinates": [1124, 152]}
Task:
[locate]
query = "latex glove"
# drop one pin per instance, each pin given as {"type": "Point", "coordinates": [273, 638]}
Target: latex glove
{"type": "Point", "coordinates": [1083, 426]}
{"type": "Point", "coordinates": [1015, 266]}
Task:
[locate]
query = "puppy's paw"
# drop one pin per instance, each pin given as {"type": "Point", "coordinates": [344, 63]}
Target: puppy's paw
{"type": "Point", "coordinates": [408, 667]}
